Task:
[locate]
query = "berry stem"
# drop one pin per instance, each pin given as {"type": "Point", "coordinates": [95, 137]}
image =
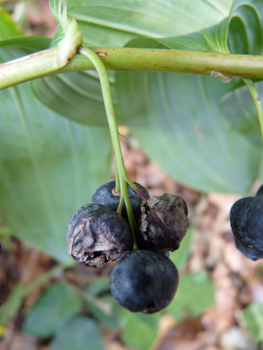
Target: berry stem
{"type": "Point", "coordinates": [117, 178]}
{"type": "Point", "coordinates": [121, 173]}
{"type": "Point", "coordinates": [136, 189]}
{"type": "Point", "coordinates": [256, 99]}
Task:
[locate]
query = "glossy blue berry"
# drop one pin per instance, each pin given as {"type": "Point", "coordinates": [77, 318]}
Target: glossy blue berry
{"type": "Point", "coordinates": [144, 281]}
{"type": "Point", "coordinates": [105, 195]}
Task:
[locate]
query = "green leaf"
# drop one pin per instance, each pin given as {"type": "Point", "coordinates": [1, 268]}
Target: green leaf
{"type": "Point", "coordinates": [140, 330]}
{"type": "Point", "coordinates": [97, 36]}
{"type": "Point", "coordinates": [234, 107]}
{"type": "Point", "coordinates": [99, 286]}
{"type": "Point", "coordinates": [53, 310]}
{"type": "Point", "coordinates": [246, 27]}
{"type": "Point", "coordinates": [180, 256]}
{"type": "Point", "coordinates": [81, 333]}
{"type": "Point", "coordinates": [212, 39]}
{"type": "Point", "coordinates": [194, 295]}
{"type": "Point", "coordinates": [110, 319]}
{"type": "Point", "coordinates": [17, 47]}
{"type": "Point", "coordinates": [109, 316]}
{"type": "Point", "coordinates": [8, 28]}
{"type": "Point", "coordinates": [253, 319]}
{"type": "Point", "coordinates": [49, 166]}
{"type": "Point", "coordinates": [261, 170]}
{"type": "Point", "coordinates": [180, 124]}
{"type": "Point", "coordinates": [239, 108]}
{"type": "Point", "coordinates": [241, 32]}
{"type": "Point", "coordinates": [148, 18]}
{"type": "Point", "coordinates": [77, 96]}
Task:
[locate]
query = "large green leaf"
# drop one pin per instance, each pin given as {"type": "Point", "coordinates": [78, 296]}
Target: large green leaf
{"type": "Point", "coordinates": [211, 39]}
{"type": "Point", "coordinates": [49, 166]}
{"type": "Point", "coordinates": [241, 31]}
{"type": "Point", "coordinates": [113, 23]}
{"type": "Point", "coordinates": [81, 333]}
{"type": "Point", "coordinates": [195, 294]}
{"type": "Point", "coordinates": [8, 28]}
{"type": "Point", "coordinates": [237, 105]}
{"type": "Point", "coordinates": [53, 310]}
{"type": "Point", "coordinates": [109, 316]}
{"type": "Point", "coordinates": [198, 121]}
{"type": "Point", "coordinates": [253, 320]}
{"type": "Point", "coordinates": [246, 27]}
{"type": "Point", "coordinates": [181, 125]}
{"type": "Point", "coordinates": [150, 18]}
{"type": "Point", "coordinates": [140, 330]}
{"type": "Point", "coordinates": [16, 47]}
{"type": "Point", "coordinates": [181, 256]}
{"type": "Point", "coordinates": [77, 96]}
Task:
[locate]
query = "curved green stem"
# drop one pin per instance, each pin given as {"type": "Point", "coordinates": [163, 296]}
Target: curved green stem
{"type": "Point", "coordinates": [117, 179]}
{"type": "Point", "coordinates": [256, 99]}
{"type": "Point", "coordinates": [136, 189]}
{"type": "Point", "coordinates": [121, 172]}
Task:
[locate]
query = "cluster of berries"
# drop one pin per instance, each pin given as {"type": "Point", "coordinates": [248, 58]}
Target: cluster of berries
{"type": "Point", "coordinates": [143, 279]}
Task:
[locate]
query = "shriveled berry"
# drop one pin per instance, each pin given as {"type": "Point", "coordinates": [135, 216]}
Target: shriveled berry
{"type": "Point", "coordinates": [144, 281]}
{"type": "Point", "coordinates": [105, 195]}
{"type": "Point", "coordinates": [95, 235]}
{"type": "Point", "coordinates": [164, 221]}
{"type": "Point", "coordinates": [247, 225]}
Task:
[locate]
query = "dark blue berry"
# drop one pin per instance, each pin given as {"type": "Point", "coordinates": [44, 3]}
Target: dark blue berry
{"type": "Point", "coordinates": [144, 281]}
{"type": "Point", "coordinates": [247, 225]}
{"type": "Point", "coordinates": [104, 195]}
{"type": "Point", "coordinates": [95, 235]}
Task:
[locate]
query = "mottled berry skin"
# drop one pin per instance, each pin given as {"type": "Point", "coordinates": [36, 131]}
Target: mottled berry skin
{"type": "Point", "coordinates": [95, 235]}
{"type": "Point", "coordinates": [144, 281]}
{"type": "Point", "coordinates": [105, 196]}
{"type": "Point", "coordinates": [164, 222]}
{"type": "Point", "coordinates": [247, 225]}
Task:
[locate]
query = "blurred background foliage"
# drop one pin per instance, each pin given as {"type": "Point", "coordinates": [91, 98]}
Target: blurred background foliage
{"type": "Point", "coordinates": [189, 135]}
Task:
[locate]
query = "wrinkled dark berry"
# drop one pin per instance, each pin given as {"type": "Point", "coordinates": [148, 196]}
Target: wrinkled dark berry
{"type": "Point", "coordinates": [95, 235]}
{"type": "Point", "coordinates": [247, 226]}
{"type": "Point", "coordinates": [104, 195]}
{"type": "Point", "coordinates": [163, 222]}
{"type": "Point", "coordinates": [144, 281]}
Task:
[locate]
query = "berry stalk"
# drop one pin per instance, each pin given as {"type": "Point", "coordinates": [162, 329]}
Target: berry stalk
{"type": "Point", "coordinates": [121, 173]}
{"type": "Point", "coordinates": [256, 99]}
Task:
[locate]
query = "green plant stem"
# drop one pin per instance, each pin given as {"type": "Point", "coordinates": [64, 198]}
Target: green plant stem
{"type": "Point", "coordinates": [117, 180]}
{"type": "Point", "coordinates": [43, 63]}
{"type": "Point", "coordinates": [114, 132]}
{"type": "Point", "coordinates": [256, 99]}
{"type": "Point", "coordinates": [29, 67]}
